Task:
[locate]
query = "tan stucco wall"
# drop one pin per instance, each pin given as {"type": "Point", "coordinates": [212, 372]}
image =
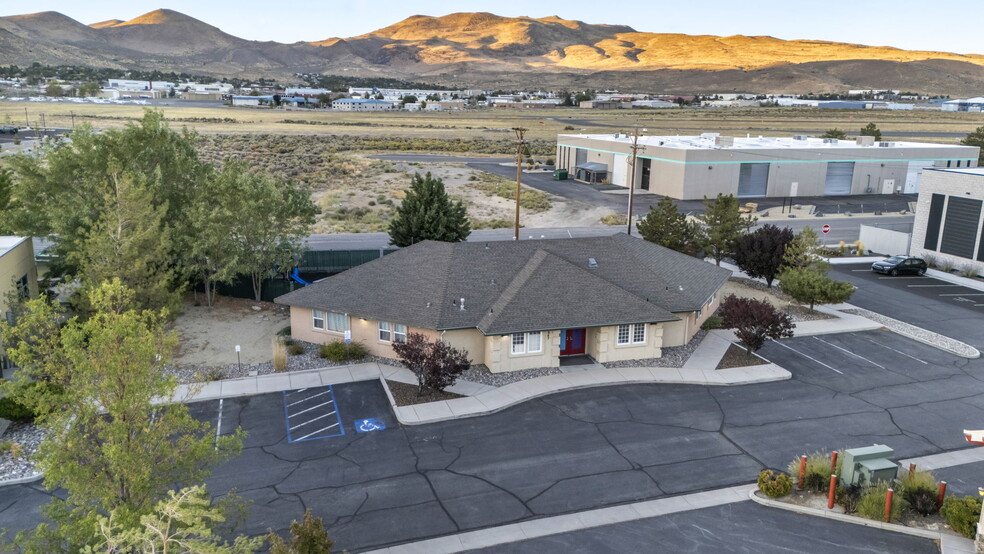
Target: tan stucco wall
{"type": "Point", "coordinates": [365, 331]}
{"type": "Point", "coordinates": [603, 348]}
{"type": "Point", "coordinates": [499, 357]}
{"type": "Point", "coordinates": [16, 263]}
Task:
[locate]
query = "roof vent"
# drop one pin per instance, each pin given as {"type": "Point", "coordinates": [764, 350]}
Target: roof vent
{"type": "Point", "coordinates": [592, 263]}
{"type": "Point", "coordinates": [492, 282]}
{"type": "Point", "coordinates": [428, 304]}
{"type": "Point", "coordinates": [462, 304]}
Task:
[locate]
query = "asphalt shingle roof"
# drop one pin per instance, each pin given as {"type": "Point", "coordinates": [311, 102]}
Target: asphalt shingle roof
{"type": "Point", "coordinates": [514, 286]}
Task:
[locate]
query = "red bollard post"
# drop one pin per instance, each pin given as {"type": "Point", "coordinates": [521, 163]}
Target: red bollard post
{"type": "Point", "coordinates": [833, 461]}
{"type": "Point", "coordinates": [832, 492]}
{"type": "Point", "coordinates": [888, 505]}
{"type": "Point", "coordinates": [940, 495]}
{"type": "Point", "coordinates": [802, 475]}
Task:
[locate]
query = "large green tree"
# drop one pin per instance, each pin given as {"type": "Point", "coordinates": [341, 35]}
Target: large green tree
{"type": "Point", "coordinates": [723, 224]}
{"type": "Point", "coordinates": [109, 443]}
{"type": "Point", "coordinates": [976, 138]}
{"type": "Point", "coordinates": [812, 286]}
{"type": "Point", "coordinates": [6, 197]}
{"type": "Point", "coordinates": [428, 213]}
{"type": "Point", "coordinates": [666, 226]}
{"type": "Point", "coordinates": [805, 250]}
{"type": "Point", "coordinates": [871, 130]}
{"type": "Point", "coordinates": [272, 216]}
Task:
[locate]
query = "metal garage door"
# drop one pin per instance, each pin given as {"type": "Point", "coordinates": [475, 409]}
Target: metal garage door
{"type": "Point", "coordinates": [753, 180]}
{"type": "Point", "coordinates": [963, 217]}
{"type": "Point", "coordinates": [839, 177]}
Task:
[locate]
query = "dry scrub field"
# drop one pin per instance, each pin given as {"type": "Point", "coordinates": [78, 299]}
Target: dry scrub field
{"type": "Point", "coordinates": [495, 124]}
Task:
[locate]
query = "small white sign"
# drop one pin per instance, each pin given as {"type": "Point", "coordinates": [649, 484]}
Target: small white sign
{"type": "Point", "coordinates": [237, 348]}
{"type": "Point", "coordinates": [348, 336]}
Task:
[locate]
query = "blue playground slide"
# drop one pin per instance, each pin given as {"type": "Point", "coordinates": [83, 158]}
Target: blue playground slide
{"type": "Point", "coordinates": [297, 278]}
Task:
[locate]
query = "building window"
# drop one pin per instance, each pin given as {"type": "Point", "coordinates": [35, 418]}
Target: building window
{"type": "Point", "coordinates": [534, 342]}
{"type": "Point", "coordinates": [399, 333]}
{"type": "Point", "coordinates": [329, 321]}
{"type": "Point", "coordinates": [319, 319]}
{"type": "Point", "coordinates": [385, 333]}
{"type": "Point", "coordinates": [631, 334]}
{"type": "Point", "coordinates": [23, 291]}
{"type": "Point", "coordinates": [519, 343]}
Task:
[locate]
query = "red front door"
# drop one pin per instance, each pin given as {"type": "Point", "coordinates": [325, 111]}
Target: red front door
{"type": "Point", "coordinates": [571, 342]}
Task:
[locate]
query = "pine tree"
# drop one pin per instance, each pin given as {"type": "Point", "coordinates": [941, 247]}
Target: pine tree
{"type": "Point", "coordinates": [811, 286]}
{"type": "Point", "coordinates": [427, 213]}
{"type": "Point", "coordinates": [805, 250]}
{"type": "Point", "coordinates": [723, 224]}
{"type": "Point", "coordinates": [871, 130]}
{"type": "Point", "coordinates": [666, 226]}
{"type": "Point", "coordinates": [976, 138]}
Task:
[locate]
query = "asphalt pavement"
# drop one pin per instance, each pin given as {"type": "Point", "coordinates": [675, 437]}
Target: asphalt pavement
{"type": "Point", "coordinates": [744, 528]}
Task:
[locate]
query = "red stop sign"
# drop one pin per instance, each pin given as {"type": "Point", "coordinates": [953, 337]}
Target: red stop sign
{"type": "Point", "coordinates": [825, 229]}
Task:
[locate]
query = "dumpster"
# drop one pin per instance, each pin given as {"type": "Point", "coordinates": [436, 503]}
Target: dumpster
{"type": "Point", "coordinates": [560, 175]}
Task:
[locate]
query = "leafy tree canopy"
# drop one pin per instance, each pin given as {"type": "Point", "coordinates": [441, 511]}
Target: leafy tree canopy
{"type": "Point", "coordinates": [666, 226]}
{"type": "Point", "coordinates": [976, 138]}
{"type": "Point", "coordinates": [760, 253]}
{"type": "Point", "coordinates": [723, 225]}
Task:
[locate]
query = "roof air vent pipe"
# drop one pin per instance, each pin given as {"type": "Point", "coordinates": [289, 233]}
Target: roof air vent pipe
{"type": "Point", "coordinates": [462, 303]}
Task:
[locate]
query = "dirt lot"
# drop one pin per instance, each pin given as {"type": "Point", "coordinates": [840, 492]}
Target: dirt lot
{"type": "Point", "coordinates": [741, 287]}
{"type": "Point", "coordinates": [208, 337]}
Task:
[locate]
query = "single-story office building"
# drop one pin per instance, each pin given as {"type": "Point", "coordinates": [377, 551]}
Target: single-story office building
{"type": "Point", "coordinates": [517, 304]}
{"type": "Point", "coordinates": [691, 167]}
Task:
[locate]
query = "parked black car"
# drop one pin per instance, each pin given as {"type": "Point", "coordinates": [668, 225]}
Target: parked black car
{"type": "Point", "coordinates": [8, 130]}
{"type": "Point", "coordinates": [900, 265]}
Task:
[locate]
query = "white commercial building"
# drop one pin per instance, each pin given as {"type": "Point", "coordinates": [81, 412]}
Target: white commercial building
{"type": "Point", "coordinates": [361, 105]}
{"type": "Point", "coordinates": [127, 84]}
{"type": "Point", "coordinates": [949, 224]}
{"type": "Point", "coordinates": [691, 167]}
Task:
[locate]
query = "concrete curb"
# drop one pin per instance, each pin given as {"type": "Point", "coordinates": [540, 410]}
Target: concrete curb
{"type": "Point", "coordinates": [21, 480]}
{"type": "Point", "coordinates": [910, 331]}
{"type": "Point", "coordinates": [949, 543]}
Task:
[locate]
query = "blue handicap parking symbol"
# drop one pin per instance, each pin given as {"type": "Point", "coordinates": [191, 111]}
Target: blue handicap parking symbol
{"type": "Point", "coordinates": [369, 425]}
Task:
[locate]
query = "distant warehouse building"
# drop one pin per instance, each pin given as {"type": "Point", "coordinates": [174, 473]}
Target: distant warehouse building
{"type": "Point", "coordinates": [361, 105]}
{"type": "Point", "coordinates": [691, 167]}
{"type": "Point", "coordinates": [949, 224]}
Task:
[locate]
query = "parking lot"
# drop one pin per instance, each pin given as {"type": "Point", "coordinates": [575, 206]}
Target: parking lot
{"type": "Point", "coordinates": [951, 310]}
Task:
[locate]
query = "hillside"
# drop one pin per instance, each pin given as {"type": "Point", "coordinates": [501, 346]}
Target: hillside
{"type": "Point", "coordinates": [487, 50]}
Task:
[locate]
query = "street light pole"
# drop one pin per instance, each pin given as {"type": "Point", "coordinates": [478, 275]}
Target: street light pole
{"type": "Point", "coordinates": [519, 175]}
{"type": "Point", "coordinates": [635, 149]}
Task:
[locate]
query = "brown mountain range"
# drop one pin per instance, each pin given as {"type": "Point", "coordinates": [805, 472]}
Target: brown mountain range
{"type": "Point", "coordinates": [483, 49]}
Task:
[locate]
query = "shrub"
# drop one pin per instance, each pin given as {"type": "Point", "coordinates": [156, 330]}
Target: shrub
{"type": "Point", "coordinates": [919, 490]}
{"type": "Point", "coordinates": [817, 476]}
{"type": "Point", "coordinates": [962, 514]}
{"type": "Point", "coordinates": [213, 374]}
{"type": "Point", "coordinates": [550, 161]}
{"type": "Point", "coordinates": [872, 503]}
{"type": "Point", "coordinates": [931, 261]}
{"type": "Point", "coordinates": [969, 270]}
{"type": "Point", "coordinates": [613, 219]}
{"type": "Point", "coordinates": [946, 265]}
{"type": "Point", "coordinates": [13, 448]}
{"type": "Point", "coordinates": [15, 411]}
{"type": "Point", "coordinates": [712, 322]}
{"type": "Point", "coordinates": [848, 497]}
{"type": "Point", "coordinates": [279, 355]}
{"type": "Point", "coordinates": [339, 351]}
{"type": "Point", "coordinates": [285, 332]}
{"type": "Point", "coordinates": [774, 483]}
{"type": "Point", "coordinates": [295, 349]}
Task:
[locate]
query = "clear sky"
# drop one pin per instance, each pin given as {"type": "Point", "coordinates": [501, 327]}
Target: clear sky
{"type": "Point", "coordinates": [901, 23]}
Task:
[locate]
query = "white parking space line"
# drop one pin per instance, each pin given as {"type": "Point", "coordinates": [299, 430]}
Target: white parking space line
{"type": "Point", "coordinates": [848, 352]}
{"type": "Point", "coordinates": [934, 285]}
{"type": "Point", "coordinates": [218, 425]}
{"type": "Point", "coordinates": [897, 351]}
{"type": "Point", "coordinates": [963, 294]}
{"type": "Point", "coordinates": [808, 357]}
{"type": "Point", "coordinates": [309, 398]}
{"type": "Point", "coordinates": [311, 421]}
{"type": "Point", "coordinates": [316, 432]}
{"type": "Point", "coordinates": [898, 278]}
{"type": "Point", "coordinates": [309, 409]}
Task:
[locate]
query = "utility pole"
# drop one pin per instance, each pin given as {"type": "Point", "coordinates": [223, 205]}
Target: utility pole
{"type": "Point", "coordinates": [520, 131]}
{"type": "Point", "coordinates": [635, 149]}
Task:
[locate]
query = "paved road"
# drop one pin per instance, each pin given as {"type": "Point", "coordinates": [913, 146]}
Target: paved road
{"type": "Point", "coordinates": [736, 528]}
{"type": "Point", "coordinates": [949, 309]}
{"type": "Point", "coordinates": [587, 448]}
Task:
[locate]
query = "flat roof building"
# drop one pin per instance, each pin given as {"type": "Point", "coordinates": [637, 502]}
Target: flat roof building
{"type": "Point", "coordinates": [949, 225]}
{"type": "Point", "coordinates": [17, 270]}
{"type": "Point", "coordinates": [361, 105]}
{"type": "Point", "coordinates": [691, 167]}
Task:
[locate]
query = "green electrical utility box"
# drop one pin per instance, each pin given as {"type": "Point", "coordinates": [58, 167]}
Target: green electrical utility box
{"type": "Point", "coordinates": [868, 465]}
{"type": "Point", "coordinates": [560, 175]}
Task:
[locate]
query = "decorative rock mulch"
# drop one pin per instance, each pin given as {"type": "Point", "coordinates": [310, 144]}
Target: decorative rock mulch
{"type": "Point", "coordinates": [481, 374]}
{"type": "Point", "coordinates": [673, 356]}
{"type": "Point", "coordinates": [29, 437]}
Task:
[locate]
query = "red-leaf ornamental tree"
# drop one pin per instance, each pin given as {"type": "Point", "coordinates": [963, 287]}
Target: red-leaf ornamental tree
{"type": "Point", "coordinates": [760, 253]}
{"type": "Point", "coordinates": [754, 321]}
{"type": "Point", "coordinates": [437, 364]}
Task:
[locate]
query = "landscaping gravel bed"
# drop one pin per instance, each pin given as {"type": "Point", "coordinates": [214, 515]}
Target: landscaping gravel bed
{"type": "Point", "coordinates": [406, 395]}
{"type": "Point", "coordinates": [793, 308]}
{"type": "Point", "coordinates": [308, 360]}
{"type": "Point", "coordinates": [481, 374]}
{"type": "Point", "coordinates": [29, 437]}
{"type": "Point", "coordinates": [673, 356]}
{"type": "Point", "coordinates": [918, 333]}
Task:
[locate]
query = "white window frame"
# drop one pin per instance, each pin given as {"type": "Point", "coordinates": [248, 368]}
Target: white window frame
{"type": "Point", "coordinates": [385, 327]}
{"type": "Point", "coordinates": [539, 342]}
{"type": "Point", "coordinates": [318, 316]}
{"type": "Point", "coordinates": [338, 318]}
{"type": "Point", "coordinates": [518, 346]}
{"type": "Point", "coordinates": [399, 332]}
{"type": "Point", "coordinates": [630, 338]}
